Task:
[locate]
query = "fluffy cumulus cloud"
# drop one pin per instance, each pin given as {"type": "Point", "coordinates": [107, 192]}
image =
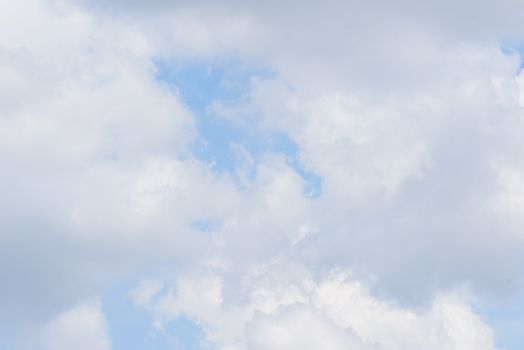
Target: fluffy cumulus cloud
{"type": "Point", "coordinates": [92, 145]}
{"type": "Point", "coordinates": [409, 115]}
{"type": "Point", "coordinates": [421, 172]}
{"type": "Point", "coordinates": [282, 306]}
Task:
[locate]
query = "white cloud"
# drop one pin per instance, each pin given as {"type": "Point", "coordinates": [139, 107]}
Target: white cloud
{"type": "Point", "coordinates": [299, 328]}
{"type": "Point", "coordinates": [411, 117]}
{"type": "Point", "coordinates": [282, 306]}
{"type": "Point", "coordinates": [85, 127]}
{"type": "Point", "coordinates": [411, 176]}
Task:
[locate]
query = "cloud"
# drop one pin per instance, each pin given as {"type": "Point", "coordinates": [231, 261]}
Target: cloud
{"type": "Point", "coordinates": [364, 45]}
{"type": "Point", "coordinates": [85, 128]}
{"type": "Point", "coordinates": [409, 114]}
{"type": "Point", "coordinates": [412, 176]}
{"type": "Point", "coordinates": [281, 305]}
{"type": "Point", "coordinates": [299, 329]}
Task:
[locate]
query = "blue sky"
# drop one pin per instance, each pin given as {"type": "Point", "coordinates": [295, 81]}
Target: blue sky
{"type": "Point", "coordinates": [131, 328]}
{"type": "Point", "coordinates": [199, 85]}
{"type": "Point", "coordinates": [263, 175]}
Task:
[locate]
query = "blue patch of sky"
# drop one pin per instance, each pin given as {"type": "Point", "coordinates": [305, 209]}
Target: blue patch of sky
{"type": "Point", "coordinates": [504, 315]}
{"type": "Point", "coordinates": [199, 84]}
{"type": "Point", "coordinates": [4, 343]}
{"type": "Point", "coordinates": [508, 325]}
{"type": "Point", "coordinates": [131, 328]}
{"type": "Point", "coordinates": [185, 334]}
{"type": "Point", "coordinates": [205, 225]}
{"type": "Point", "coordinates": [512, 48]}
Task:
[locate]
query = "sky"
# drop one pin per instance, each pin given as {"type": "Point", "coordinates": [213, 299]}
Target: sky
{"type": "Point", "coordinates": [261, 175]}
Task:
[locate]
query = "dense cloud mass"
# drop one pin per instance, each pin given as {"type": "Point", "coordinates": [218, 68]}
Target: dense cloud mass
{"type": "Point", "coordinates": [409, 115]}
